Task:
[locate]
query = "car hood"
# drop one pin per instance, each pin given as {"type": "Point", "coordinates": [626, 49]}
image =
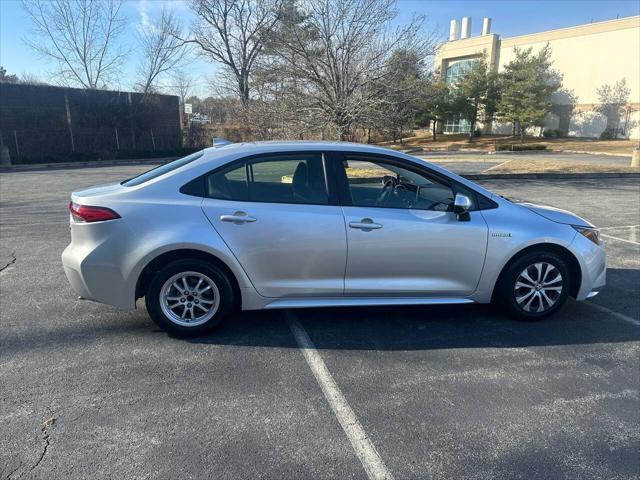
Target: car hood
{"type": "Point", "coordinates": [557, 215]}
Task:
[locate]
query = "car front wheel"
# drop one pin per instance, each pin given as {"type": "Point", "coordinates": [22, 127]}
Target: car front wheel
{"type": "Point", "coordinates": [535, 285]}
{"type": "Point", "coordinates": [189, 297]}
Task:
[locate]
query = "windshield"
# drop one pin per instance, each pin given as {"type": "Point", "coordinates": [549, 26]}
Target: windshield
{"type": "Point", "coordinates": [161, 170]}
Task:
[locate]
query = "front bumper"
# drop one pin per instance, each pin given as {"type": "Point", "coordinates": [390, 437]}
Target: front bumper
{"type": "Point", "coordinates": [593, 265]}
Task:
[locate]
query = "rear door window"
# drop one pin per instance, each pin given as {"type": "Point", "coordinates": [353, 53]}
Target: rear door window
{"type": "Point", "coordinates": [298, 178]}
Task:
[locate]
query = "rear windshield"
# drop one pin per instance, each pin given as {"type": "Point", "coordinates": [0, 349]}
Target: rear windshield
{"type": "Point", "coordinates": [161, 170]}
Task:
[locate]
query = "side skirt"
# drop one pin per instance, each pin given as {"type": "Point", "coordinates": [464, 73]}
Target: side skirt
{"type": "Point", "coordinates": [363, 301]}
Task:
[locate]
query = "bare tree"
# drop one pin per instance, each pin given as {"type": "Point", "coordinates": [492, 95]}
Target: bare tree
{"type": "Point", "coordinates": [181, 85]}
{"type": "Point", "coordinates": [161, 51]}
{"type": "Point", "coordinates": [81, 36]}
{"type": "Point", "coordinates": [614, 102]}
{"type": "Point", "coordinates": [337, 49]}
{"type": "Point", "coordinates": [4, 78]}
{"type": "Point", "coordinates": [233, 32]}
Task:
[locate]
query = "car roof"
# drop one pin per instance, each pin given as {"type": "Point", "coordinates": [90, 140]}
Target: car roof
{"type": "Point", "coordinates": [294, 145]}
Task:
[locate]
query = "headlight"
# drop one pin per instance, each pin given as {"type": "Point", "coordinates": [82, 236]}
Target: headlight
{"type": "Point", "coordinates": [592, 234]}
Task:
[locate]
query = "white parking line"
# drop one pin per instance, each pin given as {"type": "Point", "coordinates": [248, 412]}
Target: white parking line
{"type": "Point", "coordinates": [366, 451]}
{"type": "Point", "coordinates": [622, 226]}
{"type": "Point", "coordinates": [621, 316]}
{"type": "Point", "coordinates": [620, 239]}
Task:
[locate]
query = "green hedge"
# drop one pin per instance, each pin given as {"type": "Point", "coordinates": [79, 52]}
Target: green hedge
{"type": "Point", "coordinates": [519, 147]}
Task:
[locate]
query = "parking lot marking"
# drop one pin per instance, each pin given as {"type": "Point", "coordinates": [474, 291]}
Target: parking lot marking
{"type": "Point", "coordinates": [616, 228]}
{"type": "Point", "coordinates": [626, 318]}
{"type": "Point", "coordinates": [620, 239]}
{"type": "Point", "coordinates": [366, 451]}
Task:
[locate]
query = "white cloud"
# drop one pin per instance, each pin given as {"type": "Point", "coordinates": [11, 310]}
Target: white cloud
{"type": "Point", "coordinates": [149, 9]}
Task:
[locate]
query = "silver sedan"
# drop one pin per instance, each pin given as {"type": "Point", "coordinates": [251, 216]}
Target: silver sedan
{"type": "Point", "coordinates": [296, 224]}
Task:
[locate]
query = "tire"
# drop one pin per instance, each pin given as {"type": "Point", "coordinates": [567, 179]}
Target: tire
{"type": "Point", "coordinates": [543, 298]}
{"type": "Point", "coordinates": [183, 311]}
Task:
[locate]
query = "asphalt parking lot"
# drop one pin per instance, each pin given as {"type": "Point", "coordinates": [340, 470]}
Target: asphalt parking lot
{"type": "Point", "coordinates": [89, 391]}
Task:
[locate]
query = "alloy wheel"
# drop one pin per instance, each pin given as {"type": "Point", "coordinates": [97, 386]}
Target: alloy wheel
{"type": "Point", "coordinates": [538, 287]}
{"type": "Point", "coordinates": [189, 299]}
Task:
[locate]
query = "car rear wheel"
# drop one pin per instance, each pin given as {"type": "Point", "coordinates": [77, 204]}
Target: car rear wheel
{"type": "Point", "coordinates": [189, 297]}
{"type": "Point", "coordinates": [535, 285]}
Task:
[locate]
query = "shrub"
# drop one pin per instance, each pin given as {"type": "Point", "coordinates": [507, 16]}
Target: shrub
{"type": "Point", "coordinates": [606, 135]}
{"type": "Point", "coordinates": [477, 132]}
{"type": "Point", "coordinates": [552, 133]}
{"type": "Point", "coordinates": [519, 147]}
{"type": "Point", "coordinates": [559, 133]}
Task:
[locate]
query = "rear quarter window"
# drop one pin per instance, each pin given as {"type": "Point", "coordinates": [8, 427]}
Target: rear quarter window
{"type": "Point", "coordinates": [161, 170]}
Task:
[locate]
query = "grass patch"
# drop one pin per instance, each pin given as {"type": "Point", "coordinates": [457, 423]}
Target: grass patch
{"type": "Point", "coordinates": [423, 140]}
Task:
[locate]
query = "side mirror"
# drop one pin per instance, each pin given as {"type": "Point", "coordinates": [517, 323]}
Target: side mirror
{"type": "Point", "coordinates": [461, 207]}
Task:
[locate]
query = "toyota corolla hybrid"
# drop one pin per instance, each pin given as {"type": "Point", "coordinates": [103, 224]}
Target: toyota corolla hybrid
{"type": "Point", "coordinates": [296, 224]}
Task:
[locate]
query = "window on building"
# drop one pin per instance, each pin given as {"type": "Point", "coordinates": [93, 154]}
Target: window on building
{"type": "Point", "coordinates": [457, 69]}
{"type": "Point", "coordinates": [456, 125]}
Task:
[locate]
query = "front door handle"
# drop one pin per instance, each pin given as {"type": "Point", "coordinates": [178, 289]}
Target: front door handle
{"type": "Point", "coordinates": [238, 218]}
{"type": "Point", "coordinates": [365, 224]}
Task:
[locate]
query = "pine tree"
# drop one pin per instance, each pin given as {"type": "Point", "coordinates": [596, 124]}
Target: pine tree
{"type": "Point", "coordinates": [435, 104]}
{"type": "Point", "coordinates": [526, 86]}
{"type": "Point", "coordinates": [475, 94]}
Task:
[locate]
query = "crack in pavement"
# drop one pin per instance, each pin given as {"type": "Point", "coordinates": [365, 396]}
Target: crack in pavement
{"type": "Point", "coordinates": [45, 435]}
{"type": "Point", "coordinates": [13, 471]}
{"type": "Point", "coordinates": [13, 260]}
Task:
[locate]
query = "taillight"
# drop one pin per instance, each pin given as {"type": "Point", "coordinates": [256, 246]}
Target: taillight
{"type": "Point", "coordinates": [85, 213]}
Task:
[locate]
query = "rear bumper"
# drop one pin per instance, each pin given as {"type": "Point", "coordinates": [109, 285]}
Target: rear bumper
{"type": "Point", "coordinates": [93, 278]}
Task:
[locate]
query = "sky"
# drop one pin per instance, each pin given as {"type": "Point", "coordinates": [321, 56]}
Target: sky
{"type": "Point", "coordinates": [509, 18]}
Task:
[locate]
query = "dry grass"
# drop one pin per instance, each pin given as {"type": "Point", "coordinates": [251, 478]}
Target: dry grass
{"type": "Point", "coordinates": [551, 166]}
{"type": "Point", "coordinates": [487, 143]}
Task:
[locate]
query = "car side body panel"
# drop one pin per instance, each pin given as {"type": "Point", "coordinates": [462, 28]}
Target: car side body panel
{"type": "Point", "coordinates": [513, 228]}
{"type": "Point", "coordinates": [289, 250]}
{"type": "Point", "coordinates": [110, 257]}
{"type": "Point", "coordinates": [417, 252]}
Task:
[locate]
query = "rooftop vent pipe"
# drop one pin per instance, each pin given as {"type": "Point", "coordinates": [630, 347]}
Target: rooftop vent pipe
{"type": "Point", "coordinates": [486, 26]}
{"type": "Point", "coordinates": [466, 27]}
{"type": "Point", "coordinates": [454, 30]}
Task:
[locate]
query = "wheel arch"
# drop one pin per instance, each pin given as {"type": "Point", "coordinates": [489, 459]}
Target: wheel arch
{"type": "Point", "coordinates": [163, 259]}
{"type": "Point", "coordinates": [572, 263]}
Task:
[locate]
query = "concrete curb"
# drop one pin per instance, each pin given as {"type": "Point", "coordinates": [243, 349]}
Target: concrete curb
{"type": "Point", "coordinates": [549, 176]}
{"type": "Point", "coordinates": [510, 152]}
{"type": "Point", "coordinates": [92, 164]}
{"type": "Point", "coordinates": [610, 154]}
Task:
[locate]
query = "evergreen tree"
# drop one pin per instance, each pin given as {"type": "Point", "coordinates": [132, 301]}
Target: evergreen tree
{"type": "Point", "coordinates": [526, 86]}
{"type": "Point", "coordinates": [435, 105]}
{"type": "Point", "coordinates": [475, 94]}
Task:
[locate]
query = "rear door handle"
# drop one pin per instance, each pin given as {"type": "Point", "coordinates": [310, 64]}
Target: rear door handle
{"type": "Point", "coordinates": [365, 224]}
{"type": "Point", "coordinates": [238, 218]}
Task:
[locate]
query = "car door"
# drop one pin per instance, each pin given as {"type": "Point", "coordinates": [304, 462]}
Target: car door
{"type": "Point", "coordinates": [275, 214]}
{"type": "Point", "coordinates": [403, 237]}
